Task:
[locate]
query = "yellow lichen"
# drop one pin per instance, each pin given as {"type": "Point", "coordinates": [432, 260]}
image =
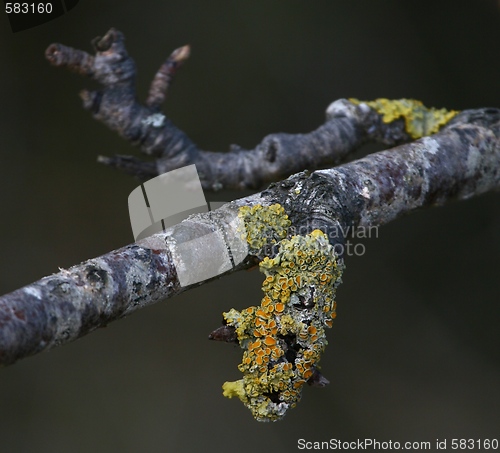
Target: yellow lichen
{"type": "Point", "coordinates": [419, 120]}
{"type": "Point", "coordinates": [236, 388]}
{"type": "Point", "coordinates": [284, 337]}
{"type": "Point", "coordinates": [264, 225]}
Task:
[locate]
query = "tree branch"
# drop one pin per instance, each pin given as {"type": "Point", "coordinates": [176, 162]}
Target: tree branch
{"type": "Point", "coordinates": [348, 125]}
{"type": "Point", "coordinates": [461, 161]}
{"type": "Point", "coordinates": [294, 229]}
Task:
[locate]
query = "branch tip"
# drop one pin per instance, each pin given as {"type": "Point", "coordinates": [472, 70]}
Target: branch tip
{"type": "Point", "coordinates": [105, 160]}
{"type": "Point", "coordinates": [75, 60]}
{"type": "Point", "coordinates": [91, 100]}
{"type": "Point", "coordinates": [130, 165]}
{"type": "Point", "coordinates": [317, 379]}
{"type": "Point", "coordinates": [53, 54]}
{"type": "Point", "coordinates": [104, 43]}
{"type": "Point", "coordinates": [164, 77]}
{"type": "Point", "coordinates": [224, 333]}
{"type": "Point", "coordinates": [181, 54]}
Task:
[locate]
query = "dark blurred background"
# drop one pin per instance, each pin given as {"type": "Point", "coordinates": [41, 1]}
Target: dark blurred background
{"type": "Point", "coordinates": [414, 353]}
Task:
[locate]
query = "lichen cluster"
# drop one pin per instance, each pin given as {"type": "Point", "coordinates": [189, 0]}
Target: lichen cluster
{"type": "Point", "coordinates": [420, 121]}
{"type": "Point", "coordinates": [284, 336]}
{"type": "Point", "coordinates": [264, 226]}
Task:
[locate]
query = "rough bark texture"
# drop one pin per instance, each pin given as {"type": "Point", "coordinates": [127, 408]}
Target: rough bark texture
{"type": "Point", "coordinates": [64, 306]}
{"type": "Point", "coordinates": [459, 162]}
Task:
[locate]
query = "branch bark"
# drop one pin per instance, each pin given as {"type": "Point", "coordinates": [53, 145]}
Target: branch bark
{"type": "Point", "coordinates": [461, 161]}
{"type": "Point", "coordinates": [348, 125]}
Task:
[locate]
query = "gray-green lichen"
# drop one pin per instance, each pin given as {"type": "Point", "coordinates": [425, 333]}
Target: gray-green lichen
{"type": "Point", "coordinates": [284, 336]}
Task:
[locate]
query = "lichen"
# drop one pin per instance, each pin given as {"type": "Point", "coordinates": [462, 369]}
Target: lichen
{"type": "Point", "coordinates": [264, 226]}
{"type": "Point", "coordinates": [284, 336]}
{"type": "Point", "coordinates": [420, 121]}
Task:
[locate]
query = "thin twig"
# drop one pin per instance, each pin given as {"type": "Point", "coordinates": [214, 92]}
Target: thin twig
{"type": "Point", "coordinates": [164, 77]}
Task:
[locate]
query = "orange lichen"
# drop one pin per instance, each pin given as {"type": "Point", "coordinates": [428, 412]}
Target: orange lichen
{"type": "Point", "coordinates": [284, 337]}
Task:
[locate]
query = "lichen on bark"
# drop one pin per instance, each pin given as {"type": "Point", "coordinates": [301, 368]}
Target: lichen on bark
{"type": "Point", "coordinates": [284, 337]}
{"type": "Point", "coordinates": [420, 120]}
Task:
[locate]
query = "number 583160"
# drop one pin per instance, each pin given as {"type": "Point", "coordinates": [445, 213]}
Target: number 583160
{"type": "Point", "coordinates": [28, 8]}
